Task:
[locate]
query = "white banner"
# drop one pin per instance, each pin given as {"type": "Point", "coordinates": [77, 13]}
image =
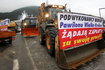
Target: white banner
{"type": "Point", "coordinates": [4, 25]}
{"type": "Point", "coordinates": [74, 20]}
{"type": "Point", "coordinates": [4, 22]}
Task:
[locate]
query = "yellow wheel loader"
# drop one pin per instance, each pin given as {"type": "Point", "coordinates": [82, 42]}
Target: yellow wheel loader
{"type": "Point", "coordinates": [74, 38]}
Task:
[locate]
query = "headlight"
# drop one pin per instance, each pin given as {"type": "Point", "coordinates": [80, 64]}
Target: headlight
{"type": "Point", "coordinates": [47, 15]}
{"type": "Point", "coordinates": [55, 6]}
{"type": "Point", "coordinates": [61, 7]}
{"type": "Point", "coordinates": [56, 22]}
{"type": "Point", "coordinates": [25, 24]}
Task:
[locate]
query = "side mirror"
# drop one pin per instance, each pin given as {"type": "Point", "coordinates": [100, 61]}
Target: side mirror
{"type": "Point", "coordinates": [68, 10]}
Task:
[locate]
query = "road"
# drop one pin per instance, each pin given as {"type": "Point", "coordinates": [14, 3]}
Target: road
{"type": "Point", "coordinates": [28, 54]}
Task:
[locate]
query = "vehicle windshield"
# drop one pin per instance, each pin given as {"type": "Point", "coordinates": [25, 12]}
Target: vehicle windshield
{"type": "Point", "coordinates": [31, 21]}
{"type": "Point", "coordinates": [53, 12]}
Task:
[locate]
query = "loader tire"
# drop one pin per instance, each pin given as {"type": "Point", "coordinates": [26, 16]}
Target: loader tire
{"type": "Point", "coordinates": [101, 44]}
{"type": "Point", "coordinates": [10, 40]}
{"type": "Point", "coordinates": [51, 33]}
{"type": "Point", "coordinates": [42, 37]}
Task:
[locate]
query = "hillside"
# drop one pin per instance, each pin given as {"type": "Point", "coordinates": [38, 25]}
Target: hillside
{"type": "Point", "coordinates": [14, 15]}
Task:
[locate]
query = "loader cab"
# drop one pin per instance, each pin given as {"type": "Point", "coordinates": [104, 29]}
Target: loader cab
{"type": "Point", "coordinates": [28, 22]}
{"type": "Point", "coordinates": [52, 10]}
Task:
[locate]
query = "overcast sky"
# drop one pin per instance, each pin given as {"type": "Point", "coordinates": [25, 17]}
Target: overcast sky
{"type": "Point", "coordinates": [81, 6]}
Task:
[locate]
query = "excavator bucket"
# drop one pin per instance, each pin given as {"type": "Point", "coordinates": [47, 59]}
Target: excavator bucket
{"type": "Point", "coordinates": [5, 34]}
{"type": "Point", "coordinates": [72, 58]}
{"type": "Point", "coordinates": [30, 31]}
{"type": "Point", "coordinates": [78, 41]}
